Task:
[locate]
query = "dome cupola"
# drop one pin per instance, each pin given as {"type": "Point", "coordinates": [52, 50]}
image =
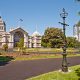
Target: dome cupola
{"type": "Point", "coordinates": [36, 33]}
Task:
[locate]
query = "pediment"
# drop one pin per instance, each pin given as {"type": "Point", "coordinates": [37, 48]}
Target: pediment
{"type": "Point", "coordinates": [18, 29]}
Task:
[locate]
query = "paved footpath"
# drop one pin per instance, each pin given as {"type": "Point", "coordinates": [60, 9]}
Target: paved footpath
{"type": "Point", "coordinates": [20, 70]}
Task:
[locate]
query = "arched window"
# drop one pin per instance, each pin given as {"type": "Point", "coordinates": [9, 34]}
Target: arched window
{"type": "Point", "coordinates": [17, 36]}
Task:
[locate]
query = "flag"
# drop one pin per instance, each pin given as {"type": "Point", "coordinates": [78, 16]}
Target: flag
{"type": "Point", "coordinates": [21, 20]}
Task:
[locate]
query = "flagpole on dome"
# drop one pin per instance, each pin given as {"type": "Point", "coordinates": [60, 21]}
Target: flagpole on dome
{"type": "Point", "coordinates": [36, 27]}
{"type": "Point", "coordinates": [19, 22]}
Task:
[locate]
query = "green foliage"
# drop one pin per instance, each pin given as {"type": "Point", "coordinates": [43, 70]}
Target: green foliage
{"type": "Point", "coordinates": [56, 75]}
{"type": "Point", "coordinates": [5, 47]}
{"type": "Point", "coordinates": [52, 37]}
{"type": "Point", "coordinates": [24, 50]}
{"type": "Point", "coordinates": [20, 44]}
{"type": "Point", "coordinates": [43, 43]}
{"type": "Point", "coordinates": [77, 71]}
{"type": "Point", "coordinates": [78, 24]}
{"type": "Point", "coordinates": [72, 42]}
{"type": "Point", "coordinates": [6, 58]}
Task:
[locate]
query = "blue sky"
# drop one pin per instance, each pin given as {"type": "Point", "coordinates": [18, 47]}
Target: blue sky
{"type": "Point", "coordinates": [40, 13]}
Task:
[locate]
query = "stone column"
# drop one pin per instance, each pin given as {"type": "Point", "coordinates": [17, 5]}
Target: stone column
{"type": "Point", "coordinates": [25, 40]}
{"type": "Point", "coordinates": [35, 42]}
{"type": "Point", "coordinates": [11, 41]}
{"type": "Point", "coordinates": [30, 42]}
{"type": "Point", "coordinates": [3, 40]}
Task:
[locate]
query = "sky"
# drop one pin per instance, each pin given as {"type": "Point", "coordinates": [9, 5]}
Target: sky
{"type": "Point", "coordinates": [40, 13]}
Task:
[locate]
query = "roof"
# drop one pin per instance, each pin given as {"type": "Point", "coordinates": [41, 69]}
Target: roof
{"type": "Point", "coordinates": [18, 29]}
{"type": "Point", "coordinates": [36, 34]}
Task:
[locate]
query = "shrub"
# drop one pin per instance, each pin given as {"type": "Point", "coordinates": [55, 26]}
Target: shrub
{"type": "Point", "coordinates": [5, 47]}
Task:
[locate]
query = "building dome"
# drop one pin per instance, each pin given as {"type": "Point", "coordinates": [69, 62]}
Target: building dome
{"type": "Point", "coordinates": [36, 34]}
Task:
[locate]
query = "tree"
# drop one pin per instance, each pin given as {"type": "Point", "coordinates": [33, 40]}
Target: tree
{"type": "Point", "coordinates": [52, 37]}
{"type": "Point", "coordinates": [20, 44]}
{"type": "Point", "coordinates": [5, 47]}
{"type": "Point", "coordinates": [78, 24]}
{"type": "Point", "coordinates": [72, 42]}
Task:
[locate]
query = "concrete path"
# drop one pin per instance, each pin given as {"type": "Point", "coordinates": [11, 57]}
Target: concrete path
{"type": "Point", "coordinates": [20, 70]}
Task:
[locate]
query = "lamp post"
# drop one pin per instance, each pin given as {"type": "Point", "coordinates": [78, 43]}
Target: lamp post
{"type": "Point", "coordinates": [64, 60]}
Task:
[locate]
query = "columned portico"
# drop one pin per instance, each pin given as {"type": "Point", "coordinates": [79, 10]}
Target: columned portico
{"type": "Point", "coordinates": [17, 34]}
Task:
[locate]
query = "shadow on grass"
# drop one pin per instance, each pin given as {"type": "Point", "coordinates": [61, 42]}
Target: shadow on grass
{"type": "Point", "coordinates": [5, 60]}
{"type": "Point", "coordinates": [77, 71]}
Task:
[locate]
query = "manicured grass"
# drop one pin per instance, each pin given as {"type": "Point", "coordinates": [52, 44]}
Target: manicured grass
{"type": "Point", "coordinates": [42, 56]}
{"type": "Point", "coordinates": [30, 56]}
{"type": "Point", "coordinates": [56, 75]}
{"type": "Point", "coordinates": [49, 50]}
{"type": "Point", "coordinates": [70, 51]}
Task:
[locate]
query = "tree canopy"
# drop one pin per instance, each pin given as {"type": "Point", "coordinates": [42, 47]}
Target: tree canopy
{"type": "Point", "coordinates": [52, 37]}
{"type": "Point", "coordinates": [72, 42]}
{"type": "Point", "coordinates": [20, 44]}
{"type": "Point", "coordinates": [5, 47]}
{"type": "Point", "coordinates": [78, 24]}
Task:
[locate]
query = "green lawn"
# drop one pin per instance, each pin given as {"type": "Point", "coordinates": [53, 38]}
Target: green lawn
{"type": "Point", "coordinates": [44, 56]}
{"type": "Point", "coordinates": [49, 50]}
{"type": "Point", "coordinates": [70, 51]}
{"type": "Point", "coordinates": [29, 55]}
{"type": "Point", "coordinates": [56, 75]}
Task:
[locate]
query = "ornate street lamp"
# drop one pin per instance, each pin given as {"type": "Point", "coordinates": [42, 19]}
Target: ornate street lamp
{"type": "Point", "coordinates": [64, 61]}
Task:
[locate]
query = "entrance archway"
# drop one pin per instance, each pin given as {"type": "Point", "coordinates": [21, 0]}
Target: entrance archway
{"type": "Point", "coordinates": [17, 37]}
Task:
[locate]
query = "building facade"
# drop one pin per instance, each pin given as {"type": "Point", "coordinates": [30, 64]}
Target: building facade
{"type": "Point", "coordinates": [14, 35]}
{"type": "Point", "coordinates": [76, 32]}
